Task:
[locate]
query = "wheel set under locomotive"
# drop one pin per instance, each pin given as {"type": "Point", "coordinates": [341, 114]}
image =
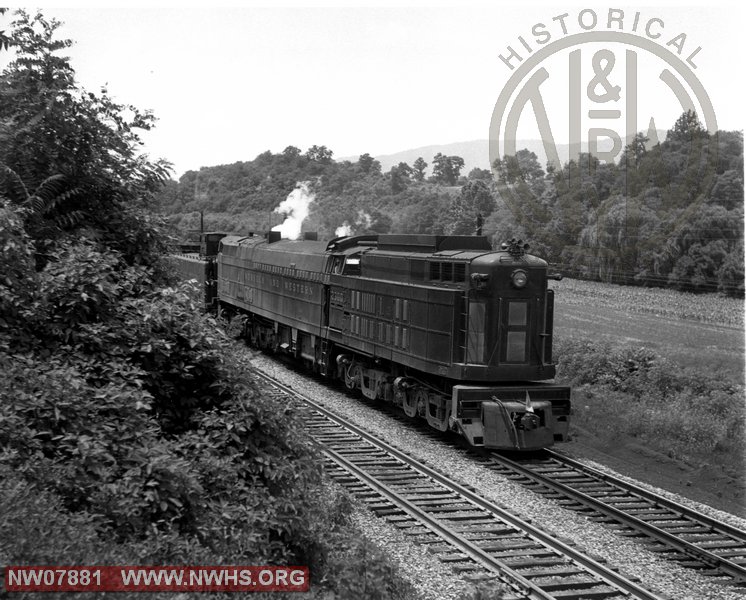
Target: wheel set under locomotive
{"type": "Point", "coordinates": [442, 326]}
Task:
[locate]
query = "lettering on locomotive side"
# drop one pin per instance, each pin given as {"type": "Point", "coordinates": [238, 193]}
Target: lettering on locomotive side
{"type": "Point", "coordinates": [337, 298]}
{"type": "Point", "coordinates": [299, 289]}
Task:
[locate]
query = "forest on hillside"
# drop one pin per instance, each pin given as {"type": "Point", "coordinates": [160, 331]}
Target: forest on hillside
{"type": "Point", "coordinates": [665, 215]}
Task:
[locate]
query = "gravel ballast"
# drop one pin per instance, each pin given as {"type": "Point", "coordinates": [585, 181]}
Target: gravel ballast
{"type": "Point", "coordinates": [423, 570]}
{"type": "Point", "coordinates": [630, 558]}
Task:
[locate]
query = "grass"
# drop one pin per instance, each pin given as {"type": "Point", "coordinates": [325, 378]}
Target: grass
{"type": "Point", "coordinates": [705, 308]}
{"type": "Point", "coordinates": [686, 414]}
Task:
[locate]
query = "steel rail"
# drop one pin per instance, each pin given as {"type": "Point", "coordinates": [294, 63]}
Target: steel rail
{"type": "Point", "coordinates": [687, 548]}
{"type": "Point", "coordinates": [718, 526]}
{"type": "Point", "coordinates": [481, 557]}
{"type": "Point", "coordinates": [605, 574]}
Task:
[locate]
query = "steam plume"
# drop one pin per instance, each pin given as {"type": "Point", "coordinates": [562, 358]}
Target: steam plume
{"type": "Point", "coordinates": [363, 220]}
{"type": "Point", "coordinates": [295, 208]}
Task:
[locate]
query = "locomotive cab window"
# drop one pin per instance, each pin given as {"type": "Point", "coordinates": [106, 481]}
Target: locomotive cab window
{"type": "Point", "coordinates": [459, 272]}
{"type": "Point", "coordinates": [446, 271]}
{"type": "Point", "coordinates": [352, 265]}
{"type": "Point", "coordinates": [516, 331]}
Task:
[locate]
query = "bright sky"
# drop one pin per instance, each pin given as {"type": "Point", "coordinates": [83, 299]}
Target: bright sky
{"type": "Point", "coordinates": [229, 83]}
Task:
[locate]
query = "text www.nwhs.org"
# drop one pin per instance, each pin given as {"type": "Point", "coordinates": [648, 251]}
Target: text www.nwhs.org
{"type": "Point", "coordinates": [156, 579]}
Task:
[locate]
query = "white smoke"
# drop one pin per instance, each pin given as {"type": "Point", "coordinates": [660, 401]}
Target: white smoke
{"type": "Point", "coordinates": [344, 229]}
{"type": "Point", "coordinates": [295, 208]}
{"type": "Point", "coordinates": [363, 220]}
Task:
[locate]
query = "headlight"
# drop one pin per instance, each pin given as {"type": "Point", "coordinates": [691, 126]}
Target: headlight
{"type": "Point", "coordinates": [520, 278]}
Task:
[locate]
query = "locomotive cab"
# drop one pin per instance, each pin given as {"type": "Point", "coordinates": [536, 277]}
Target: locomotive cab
{"type": "Point", "coordinates": [512, 310]}
{"type": "Point", "coordinates": [509, 339]}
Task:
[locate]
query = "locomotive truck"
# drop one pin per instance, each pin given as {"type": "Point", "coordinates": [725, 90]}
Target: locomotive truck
{"type": "Point", "coordinates": [443, 326]}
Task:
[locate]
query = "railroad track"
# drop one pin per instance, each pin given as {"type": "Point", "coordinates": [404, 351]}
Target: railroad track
{"type": "Point", "coordinates": [674, 531]}
{"type": "Point", "coordinates": [680, 533]}
{"type": "Point", "coordinates": [475, 537]}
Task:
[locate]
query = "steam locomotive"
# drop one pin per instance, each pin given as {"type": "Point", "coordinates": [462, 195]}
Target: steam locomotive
{"type": "Point", "coordinates": [443, 326]}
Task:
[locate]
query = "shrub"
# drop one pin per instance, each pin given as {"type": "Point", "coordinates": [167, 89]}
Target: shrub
{"type": "Point", "coordinates": [635, 391]}
{"type": "Point", "coordinates": [135, 421]}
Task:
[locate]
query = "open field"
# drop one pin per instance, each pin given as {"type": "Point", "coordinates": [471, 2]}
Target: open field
{"type": "Point", "coordinates": [654, 396]}
{"type": "Point", "coordinates": [705, 308]}
{"type": "Point", "coordinates": [705, 332]}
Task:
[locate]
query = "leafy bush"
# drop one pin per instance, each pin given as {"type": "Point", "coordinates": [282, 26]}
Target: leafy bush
{"type": "Point", "coordinates": [131, 431]}
{"type": "Point", "coordinates": [134, 420]}
{"type": "Point", "coordinates": [634, 391]}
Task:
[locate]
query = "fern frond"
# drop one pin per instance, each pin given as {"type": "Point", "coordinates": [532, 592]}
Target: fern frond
{"type": "Point", "coordinates": [47, 195]}
{"type": "Point", "coordinates": [71, 219]}
{"type": "Point", "coordinates": [11, 185]}
{"type": "Point", "coordinates": [46, 207]}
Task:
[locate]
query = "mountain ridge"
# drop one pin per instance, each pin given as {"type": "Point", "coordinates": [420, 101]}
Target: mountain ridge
{"type": "Point", "coordinates": [476, 153]}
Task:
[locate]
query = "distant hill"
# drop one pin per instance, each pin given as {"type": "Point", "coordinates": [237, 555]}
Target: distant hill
{"type": "Point", "coordinates": [476, 153]}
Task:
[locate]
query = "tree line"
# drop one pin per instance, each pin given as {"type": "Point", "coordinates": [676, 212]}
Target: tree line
{"type": "Point", "coordinates": [670, 214]}
{"type": "Point", "coordinates": [665, 215]}
{"type": "Point", "coordinates": [241, 196]}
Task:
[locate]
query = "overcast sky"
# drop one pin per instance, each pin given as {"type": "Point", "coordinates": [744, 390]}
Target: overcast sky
{"type": "Point", "coordinates": [229, 83]}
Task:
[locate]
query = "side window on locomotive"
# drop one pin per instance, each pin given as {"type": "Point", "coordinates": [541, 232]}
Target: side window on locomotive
{"type": "Point", "coordinates": [446, 271]}
{"type": "Point", "coordinates": [352, 265]}
{"type": "Point", "coordinates": [517, 330]}
{"type": "Point", "coordinates": [459, 272]}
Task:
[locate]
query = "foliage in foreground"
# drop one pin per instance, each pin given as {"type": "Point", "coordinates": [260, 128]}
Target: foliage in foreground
{"type": "Point", "coordinates": [634, 391]}
{"type": "Point", "coordinates": [131, 431]}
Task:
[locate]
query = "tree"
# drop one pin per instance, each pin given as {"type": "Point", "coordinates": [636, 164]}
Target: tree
{"type": "Point", "coordinates": [400, 177]}
{"type": "Point", "coordinates": [446, 169]}
{"type": "Point", "coordinates": [474, 202]}
{"type": "Point", "coordinates": [379, 222]}
{"type": "Point", "coordinates": [368, 164]}
{"type": "Point", "coordinates": [320, 154]}
{"type": "Point", "coordinates": [78, 150]}
{"type": "Point", "coordinates": [686, 129]}
{"type": "Point", "coordinates": [291, 152]}
{"type": "Point", "coordinates": [4, 39]}
{"type": "Point", "coordinates": [477, 173]}
{"type": "Point", "coordinates": [730, 275]}
{"type": "Point", "coordinates": [523, 166]}
{"type": "Point", "coordinates": [419, 169]}
{"type": "Point", "coordinates": [635, 150]}
{"type": "Point", "coordinates": [728, 189]}
{"type": "Point", "coordinates": [52, 126]}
